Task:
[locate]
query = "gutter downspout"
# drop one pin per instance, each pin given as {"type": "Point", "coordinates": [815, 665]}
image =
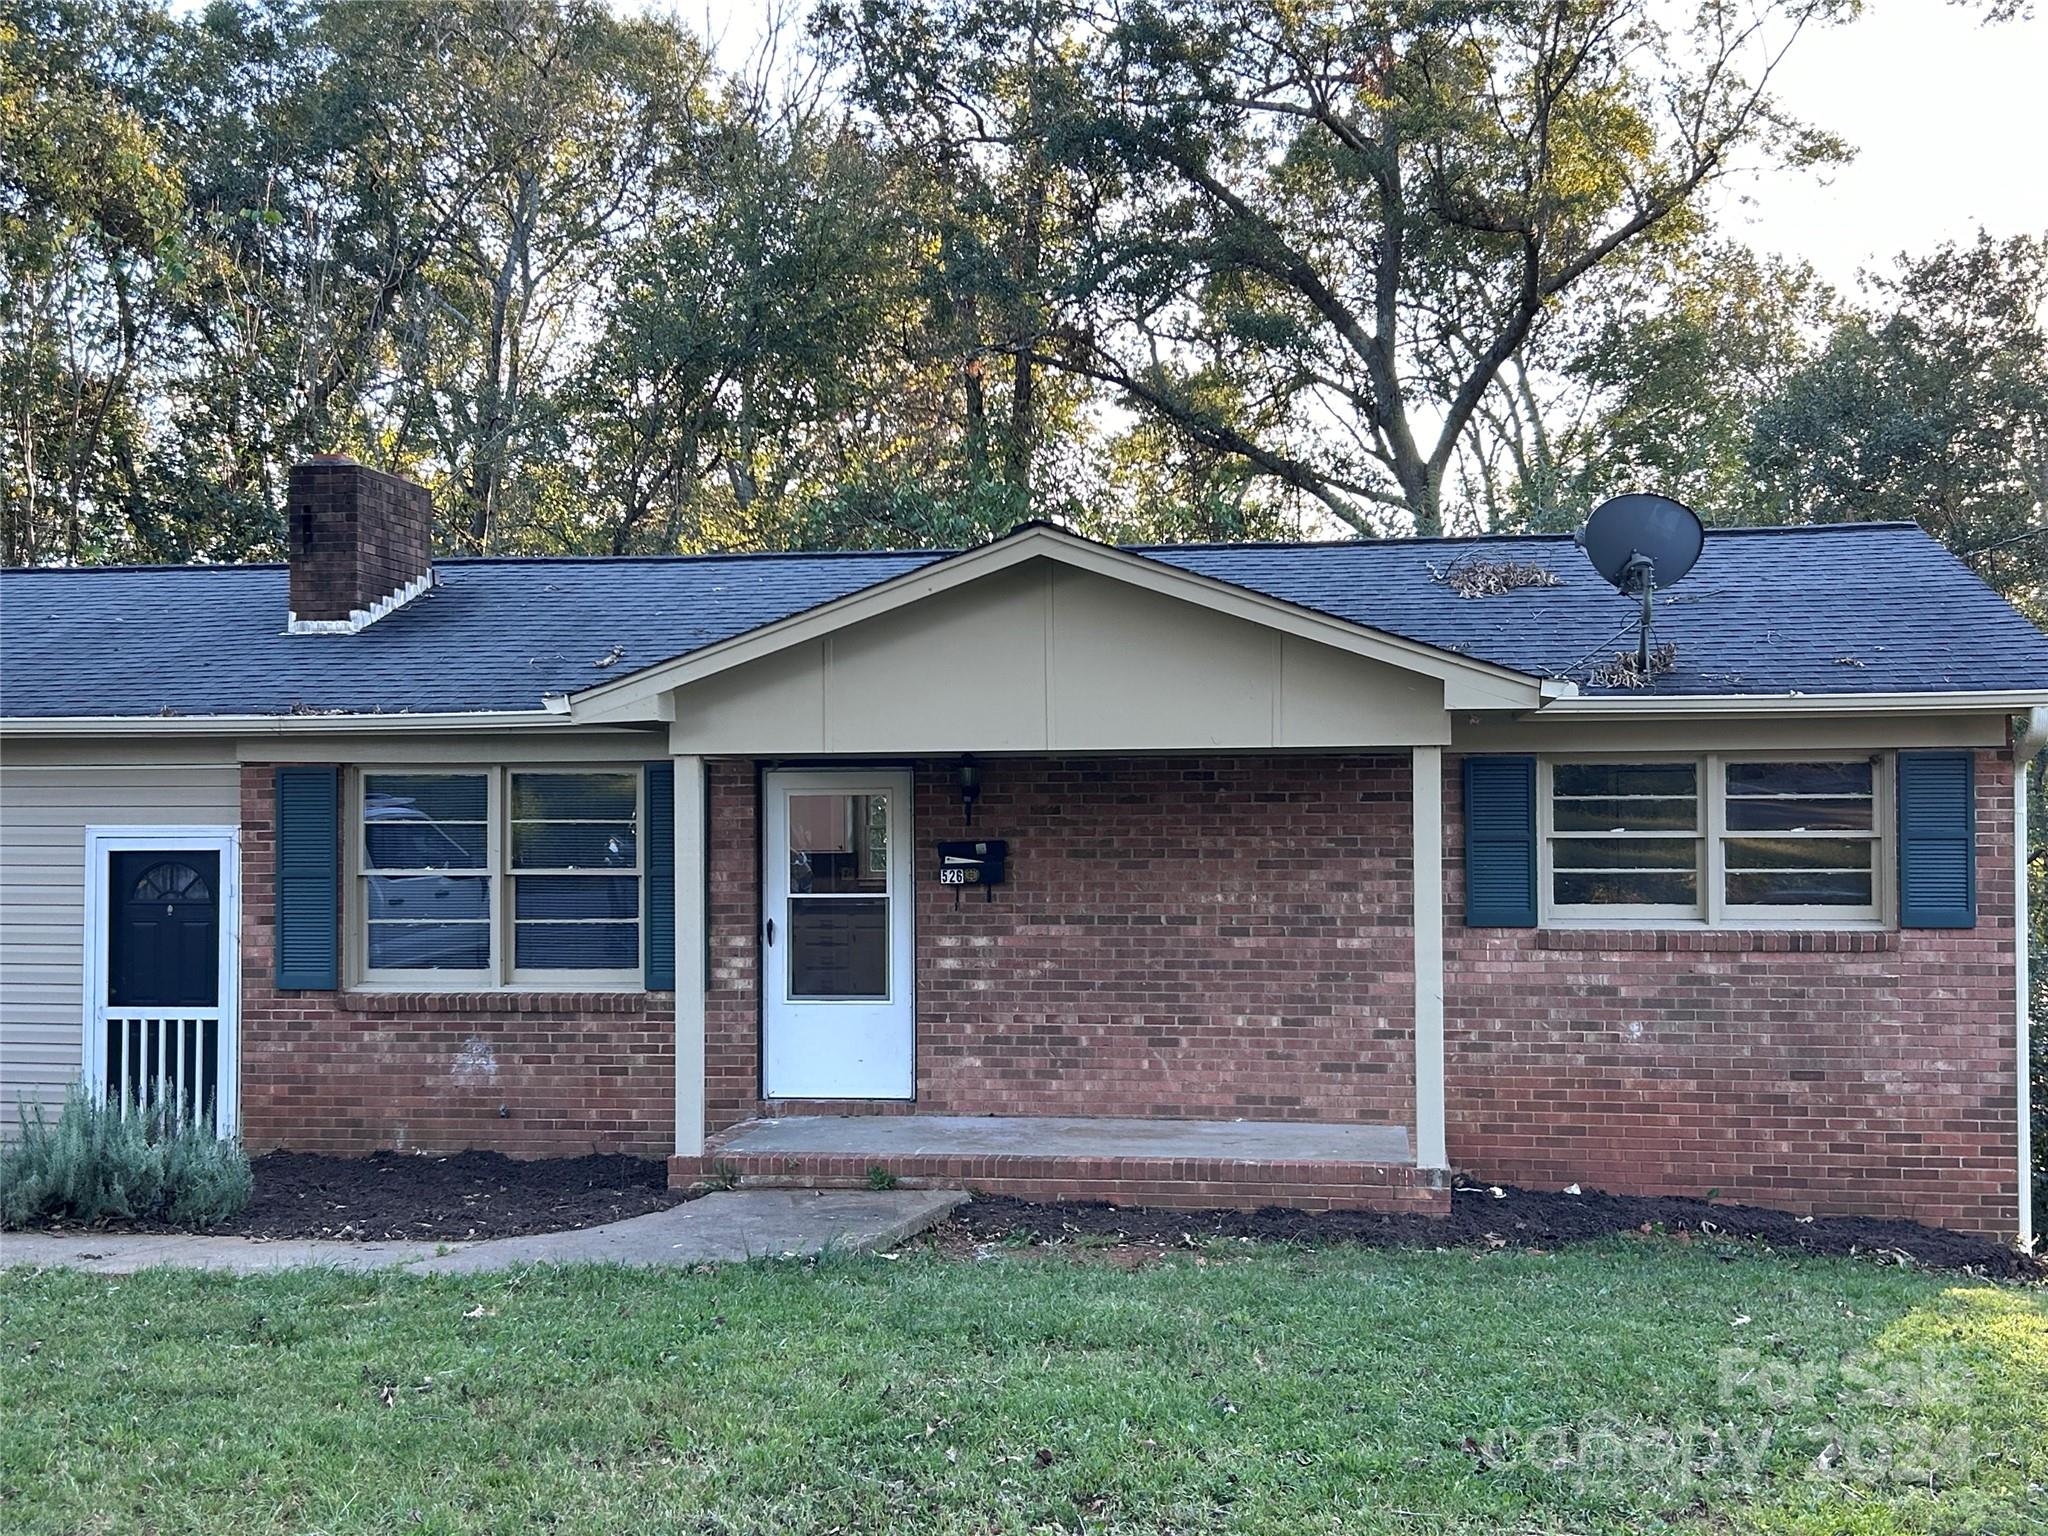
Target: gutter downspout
{"type": "Point", "coordinates": [2028, 743]}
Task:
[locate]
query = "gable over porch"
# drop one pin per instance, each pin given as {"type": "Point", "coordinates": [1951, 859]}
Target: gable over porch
{"type": "Point", "coordinates": [1221, 902]}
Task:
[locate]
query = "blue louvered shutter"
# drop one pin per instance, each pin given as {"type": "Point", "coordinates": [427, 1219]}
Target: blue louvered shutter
{"type": "Point", "coordinates": [309, 878]}
{"type": "Point", "coordinates": [1500, 842]}
{"type": "Point", "coordinates": [1937, 840]}
{"type": "Point", "coordinates": [660, 843]}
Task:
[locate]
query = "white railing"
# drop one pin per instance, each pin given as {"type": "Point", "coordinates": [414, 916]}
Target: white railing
{"type": "Point", "coordinates": [173, 1059]}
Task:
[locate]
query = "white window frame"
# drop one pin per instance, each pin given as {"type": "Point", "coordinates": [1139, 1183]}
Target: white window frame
{"type": "Point", "coordinates": [1714, 910]}
{"type": "Point", "coordinates": [1604, 914]}
{"type": "Point", "coordinates": [500, 975]}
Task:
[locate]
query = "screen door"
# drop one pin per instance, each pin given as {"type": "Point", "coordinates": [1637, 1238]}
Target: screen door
{"type": "Point", "coordinates": [839, 1019]}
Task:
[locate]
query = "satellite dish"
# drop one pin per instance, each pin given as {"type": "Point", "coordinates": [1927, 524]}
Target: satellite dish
{"type": "Point", "coordinates": [1641, 537]}
{"type": "Point", "coordinates": [1641, 542]}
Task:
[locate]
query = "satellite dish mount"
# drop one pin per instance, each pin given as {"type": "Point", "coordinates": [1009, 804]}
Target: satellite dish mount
{"type": "Point", "coordinates": [1640, 576]}
{"type": "Point", "coordinates": [1641, 542]}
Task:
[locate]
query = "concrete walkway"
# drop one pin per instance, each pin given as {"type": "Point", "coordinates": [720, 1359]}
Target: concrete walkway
{"type": "Point", "coordinates": [728, 1227]}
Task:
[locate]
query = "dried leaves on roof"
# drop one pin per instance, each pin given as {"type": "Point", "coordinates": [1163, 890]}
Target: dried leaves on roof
{"type": "Point", "coordinates": [1476, 576]}
{"type": "Point", "coordinates": [1621, 671]}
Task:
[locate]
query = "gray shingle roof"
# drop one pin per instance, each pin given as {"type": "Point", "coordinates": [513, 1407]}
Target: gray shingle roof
{"type": "Point", "coordinates": [493, 635]}
{"type": "Point", "coordinates": [1873, 608]}
{"type": "Point", "coordinates": [1841, 608]}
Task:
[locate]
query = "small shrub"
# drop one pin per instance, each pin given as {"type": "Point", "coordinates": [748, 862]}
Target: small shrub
{"type": "Point", "coordinates": [98, 1164]}
{"type": "Point", "coordinates": [880, 1177]}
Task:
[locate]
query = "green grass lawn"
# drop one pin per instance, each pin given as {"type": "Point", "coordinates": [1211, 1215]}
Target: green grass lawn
{"type": "Point", "coordinates": [1629, 1385]}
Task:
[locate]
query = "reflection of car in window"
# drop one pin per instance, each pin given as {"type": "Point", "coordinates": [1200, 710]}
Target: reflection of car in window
{"type": "Point", "coordinates": [427, 882]}
{"type": "Point", "coordinates": [408, 839]}
{"type": "Point", "coordinates": [424, 922]}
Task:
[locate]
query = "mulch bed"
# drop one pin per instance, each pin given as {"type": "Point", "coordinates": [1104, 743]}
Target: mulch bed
{"type": "Point", "coordinates": [1516, 1218]}
{"type": "Point", "coordinates": [469, 1196]}
{"type": "Point", "coordinates": [463, 1197]}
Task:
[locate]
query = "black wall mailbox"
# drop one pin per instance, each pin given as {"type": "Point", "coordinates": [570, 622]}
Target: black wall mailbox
{"type": "Point", "coordinates": [972, 863]}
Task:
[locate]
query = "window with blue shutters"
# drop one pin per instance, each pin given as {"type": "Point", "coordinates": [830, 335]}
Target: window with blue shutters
{"type": "Point", "coordinates": [1937, 840]}
{"type": "Point", "coordinates": [467, 878]}
{"type": "Point", "coordinates": [308, 878]}
{"type": "Point", "coordinates": [1500, 842]}
{"type": "Point", "coordinates": [1756, 840]}
{"type": "Point", "coordinates": [661, 875]}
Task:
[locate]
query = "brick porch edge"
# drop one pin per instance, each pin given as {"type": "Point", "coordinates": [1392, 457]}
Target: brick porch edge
{"type": "Point", "coordinates": [1176, 1183]}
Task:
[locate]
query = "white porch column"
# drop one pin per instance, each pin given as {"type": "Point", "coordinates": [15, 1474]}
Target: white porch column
{"type": "Point", "coordinates": [1428, 799]}
{"type": "Point", "coordinates": [691, 919]}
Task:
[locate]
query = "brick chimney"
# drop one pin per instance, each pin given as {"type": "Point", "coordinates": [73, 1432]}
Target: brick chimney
{"type": "Point", "coordinates": [361, 544]}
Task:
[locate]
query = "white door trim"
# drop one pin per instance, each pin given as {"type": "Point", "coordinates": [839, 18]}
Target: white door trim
{"type": "Point", "coordinates": [897, 1014]}
{"type": "Point", "coordinates": [100, 843]}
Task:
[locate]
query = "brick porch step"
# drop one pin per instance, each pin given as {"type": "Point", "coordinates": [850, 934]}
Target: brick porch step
{"type": "Point", "coordinates": [1187, 1164]}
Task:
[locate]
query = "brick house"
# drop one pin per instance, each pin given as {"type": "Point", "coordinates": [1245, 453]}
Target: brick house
{"type": "Point", "coordinates": [1189, 875]}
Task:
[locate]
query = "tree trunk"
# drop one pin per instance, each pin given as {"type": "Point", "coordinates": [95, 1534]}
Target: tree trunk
{"type": "Point", "coordinates": [1026, 268]}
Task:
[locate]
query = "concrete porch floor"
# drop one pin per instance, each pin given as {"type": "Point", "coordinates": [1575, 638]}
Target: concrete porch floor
{"type": "Point", "coordinates": [1049, 1136]}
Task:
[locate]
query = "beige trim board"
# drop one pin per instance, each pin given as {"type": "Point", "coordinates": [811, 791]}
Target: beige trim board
{"type": "Point", "coordinates": [691, 924]}
{"type": "Point", "coordinates": [1468, 684]}
{"type": "Point", "coordinates": [75, 726]}
{"type": "Point", "coordinates": [1729, 733]}
{"type": "Point", "coordinates": [582, 745]}
{"type": "Point", "coordinates": [1947, 702]}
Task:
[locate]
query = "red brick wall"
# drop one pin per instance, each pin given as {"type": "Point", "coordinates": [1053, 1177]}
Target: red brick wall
{"type": "Point", "coordinates": [350, 1073]}
{"type": "Point", "coordinates": [1214, 938]}
{"type": "Point", "coordinates": [1865, 1073]}
{"type": "Point", "coordinates": [1229, 938]}
{"type": "Point", "coordinates": [732, 1001]}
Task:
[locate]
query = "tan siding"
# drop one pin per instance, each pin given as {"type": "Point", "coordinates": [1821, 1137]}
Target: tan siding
{"type": "Point", "coordinates": [1047, 658]}
{"type": "Point", "coordinates": [47, 800]}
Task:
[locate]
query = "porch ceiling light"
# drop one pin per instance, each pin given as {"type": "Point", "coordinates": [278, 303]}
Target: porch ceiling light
{"type": "Point", "coordinates": [970, 787]}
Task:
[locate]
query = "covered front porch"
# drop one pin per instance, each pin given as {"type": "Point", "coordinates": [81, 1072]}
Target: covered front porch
{"type": "Point", "coordinates": [1213, 971]}
{"type": "Point", "coordinates": [1122, 1160]}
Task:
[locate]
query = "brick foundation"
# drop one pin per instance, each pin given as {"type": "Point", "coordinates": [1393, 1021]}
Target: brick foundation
{"type": "Point", "coordinates": [1181, 1184]}
{"type": "Point", "coordinates": [350, 1073]}
{"type": "Point", "coordinates": [1840, 1072]}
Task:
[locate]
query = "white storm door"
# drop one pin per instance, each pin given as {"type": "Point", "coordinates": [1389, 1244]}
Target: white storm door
{"type": "Point", "coordinates": [162, 970]}
{"type": "Point", "coordinates": [838, 1017]}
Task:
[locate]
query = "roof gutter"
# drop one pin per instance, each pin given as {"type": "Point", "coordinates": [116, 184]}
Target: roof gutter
{"type": "Point", "coordinates": [1655, 707]}
{"type": "Point", "coordinates": [102, 726]}
{"type": "Point", "coordinates": [2028, 742]}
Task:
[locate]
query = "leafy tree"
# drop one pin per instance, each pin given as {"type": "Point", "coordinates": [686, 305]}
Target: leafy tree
{"type": "Point", "coordinates": [89, 239]}
{"type": "Point", "coordinates": [754, 336]}
{"type": "Point", "coordinates": [1359, 214]}
{"type": "Point", "coordinates": [974, 94]}
{"type": "Point", "coordinates": [1929, 402]}
{"type": "Point", "coordinates": [1226, 269]}
{"type": "Point", "coordinates": [1652, 379]}
{"type": "Point", "coordinates": [549, 135]}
